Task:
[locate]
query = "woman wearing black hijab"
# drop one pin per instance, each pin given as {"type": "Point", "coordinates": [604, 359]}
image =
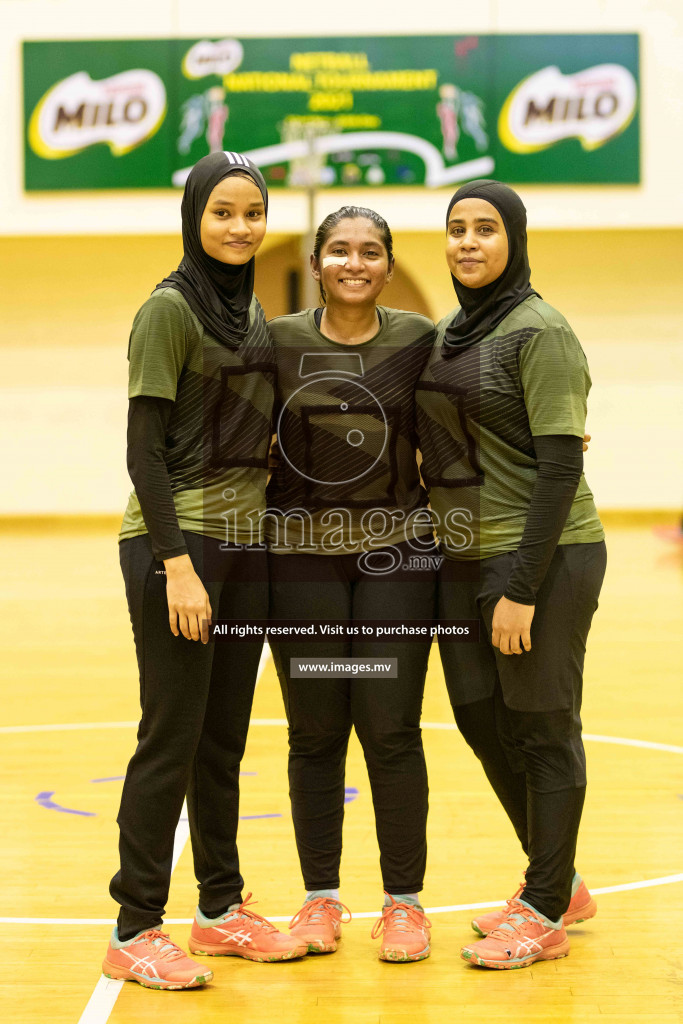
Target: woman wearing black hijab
{"type": "Point", "coordinates": [201, 395]}
{"type": "Point", "coordinates": [501, 415]}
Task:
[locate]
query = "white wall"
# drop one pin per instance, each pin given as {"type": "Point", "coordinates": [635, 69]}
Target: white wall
{"type": "Point", "coordinates": [65, 448]}
{"type": "Point", "coordinates": [658, 200]}
{"type": "Point", "coordinates": [70, 457]}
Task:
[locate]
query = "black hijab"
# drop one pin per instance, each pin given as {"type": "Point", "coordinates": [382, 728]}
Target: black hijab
{"type": "Point", "coordinates": [482, 309]}
{"type": "Point", "coordinates": [218, 293]}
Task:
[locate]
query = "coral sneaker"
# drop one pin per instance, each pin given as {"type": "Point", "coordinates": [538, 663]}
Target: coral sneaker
{"type": "Point", "coordinates": [581, 907]}
{"type": "Point", "coordinates": [405, 931]}
{"type": "Point", "coordinates": [155, 962]}
{"type": "Point", "coordinates": [521, 939]}
{"type": "Point", "coordinates": [318, 924]}
{"type": "Point", "coordinates": [241, 932]}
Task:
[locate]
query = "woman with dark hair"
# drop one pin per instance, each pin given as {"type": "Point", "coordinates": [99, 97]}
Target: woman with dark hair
{"type": "Point", "coordinates": [501, 415]}
{"type": "Point", "coordinates": [201, 395]}
{"type": "Point", "coordinates": [350, 546]}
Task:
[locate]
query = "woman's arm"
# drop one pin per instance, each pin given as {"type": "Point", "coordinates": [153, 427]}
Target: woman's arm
{"type": "Point", "coordinates": [188, 603]}
{"type": "Point", "coordinates": [555, 383]}
{"type": "Point", "coordinates": [560, 465]}
{"type": "Point", "coordinates": [147, 424]}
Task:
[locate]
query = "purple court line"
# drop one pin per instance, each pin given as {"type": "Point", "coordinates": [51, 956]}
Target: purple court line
{"type": "Point", "coordinates": [45, 800]}
{"type": "Point", "coordinates": [120, 778]}
{"type": "Point", "coordinates": [248, 817]}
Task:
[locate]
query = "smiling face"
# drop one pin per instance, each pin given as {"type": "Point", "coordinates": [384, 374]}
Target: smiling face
{"type": "Point", "coordinates": [366, 268]}
{"type": "Point", "coordinates": [233, 224]}
{"type": "Point", "coordinates": [476, 243]}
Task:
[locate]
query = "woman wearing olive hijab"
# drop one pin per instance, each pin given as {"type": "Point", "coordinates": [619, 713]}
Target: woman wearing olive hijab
{"type": "Point", "coordinates": [201, 395]}
{"type": "Point", "coordinates": [501, 415]}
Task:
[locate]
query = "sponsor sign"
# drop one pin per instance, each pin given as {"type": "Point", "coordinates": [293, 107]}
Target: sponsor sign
{"type": "Point", "coordinates": [592, 106]}
{"type": "Point", "coordinates": [208, 58]}
{"type": "Point", "coordinates": [122, 111]}
{"type": "Point", "coordinates": [432, 110]}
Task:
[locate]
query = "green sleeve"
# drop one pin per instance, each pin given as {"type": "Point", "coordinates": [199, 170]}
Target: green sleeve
{"type": "Point", "coordinates": [555, 380]}
{"type": "Point", "coordinates": [158, 347]}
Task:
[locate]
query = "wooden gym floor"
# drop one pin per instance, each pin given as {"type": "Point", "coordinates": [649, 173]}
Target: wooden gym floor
{"type": "Point", "coordinates": [69, 708]}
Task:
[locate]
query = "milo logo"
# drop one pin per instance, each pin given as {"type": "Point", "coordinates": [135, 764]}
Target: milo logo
{"type": "Point", "coordinates": [207, 58]}
{"type": "Point", "coordinates": [122, 111]}
{"type": "Point", "coordinates": [592, 105]}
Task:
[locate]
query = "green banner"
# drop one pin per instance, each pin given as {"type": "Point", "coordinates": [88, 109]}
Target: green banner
{"type": "Point", "coordinates": [390, 110]}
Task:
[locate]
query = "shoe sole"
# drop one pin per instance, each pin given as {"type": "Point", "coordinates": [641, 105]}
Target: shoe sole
{"type": "Point", "coordinates": [555, 952]}
{"type": "Point", "coordinates": [577, 916]}
{"type": "Point", "coordinates": [318, 946]}
{"type": "Point", "coordinates": [122, 974]}
{"type": "Point", "coordinates": [219, 950]}
{"type": "Point", "coordinates": [391, 956]}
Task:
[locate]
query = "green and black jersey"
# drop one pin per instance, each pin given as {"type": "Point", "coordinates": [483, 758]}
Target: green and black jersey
{"type": "Point", "coordinates": [477, 412]}
{"type": "Point", "coordinates": [219, 430]}
{"type": "Point", "coordinates": [346, 478]}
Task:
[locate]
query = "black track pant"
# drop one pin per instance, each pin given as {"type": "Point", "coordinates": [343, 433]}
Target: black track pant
{"type": "Point", "coordinates": [196, 700]}
{"type": "Point", "coordinates": [384, 712]}
{"type": "Point", "coordinates": [521, 713]}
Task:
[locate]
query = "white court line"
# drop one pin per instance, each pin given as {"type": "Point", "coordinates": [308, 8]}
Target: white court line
{"type": "Point", "coordinates": [648, 883]}
{"type": "Point", "coordinates": [622, 741]}
{"type": "Point", "coordinates": [106, 992]}
{"type": "Point", "coordinates": [626, 886]}
{"type": "Point", "coordinates": [182, 834]}
{"type": "Point", "coordinates": [645, 744]}
{"type": "Point", "coordinates": [71, 726]}
{"type": "Point", "coordinates": [266, 657]}
{"type": "Point", "coordinates": [67, 727]}
{"type": "Point", "coordinates": [101, 1002]}
{"type": "Point", "coordinates": [591, 737]}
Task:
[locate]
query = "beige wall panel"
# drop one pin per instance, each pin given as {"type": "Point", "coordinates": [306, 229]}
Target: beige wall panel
{"type": "Point", "coordinates": [68, 304]}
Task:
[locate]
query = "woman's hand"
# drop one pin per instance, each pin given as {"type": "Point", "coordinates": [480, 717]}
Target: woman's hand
{"type": "Point", "coordinates": [512, 624]}
{"type": "Point", "coordinates": [189, 610]}
{"type": "Point", "coordinates": [586, 439]}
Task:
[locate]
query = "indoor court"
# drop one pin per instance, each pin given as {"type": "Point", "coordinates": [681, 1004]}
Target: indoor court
{"type": "Point", "coordinates": [273, 117]}
{"type": "Point", "coordinates": [70, 710]}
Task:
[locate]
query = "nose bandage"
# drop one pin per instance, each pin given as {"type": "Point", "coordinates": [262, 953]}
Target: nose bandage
{"type": "Point", "coordinates": [334, 261]}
